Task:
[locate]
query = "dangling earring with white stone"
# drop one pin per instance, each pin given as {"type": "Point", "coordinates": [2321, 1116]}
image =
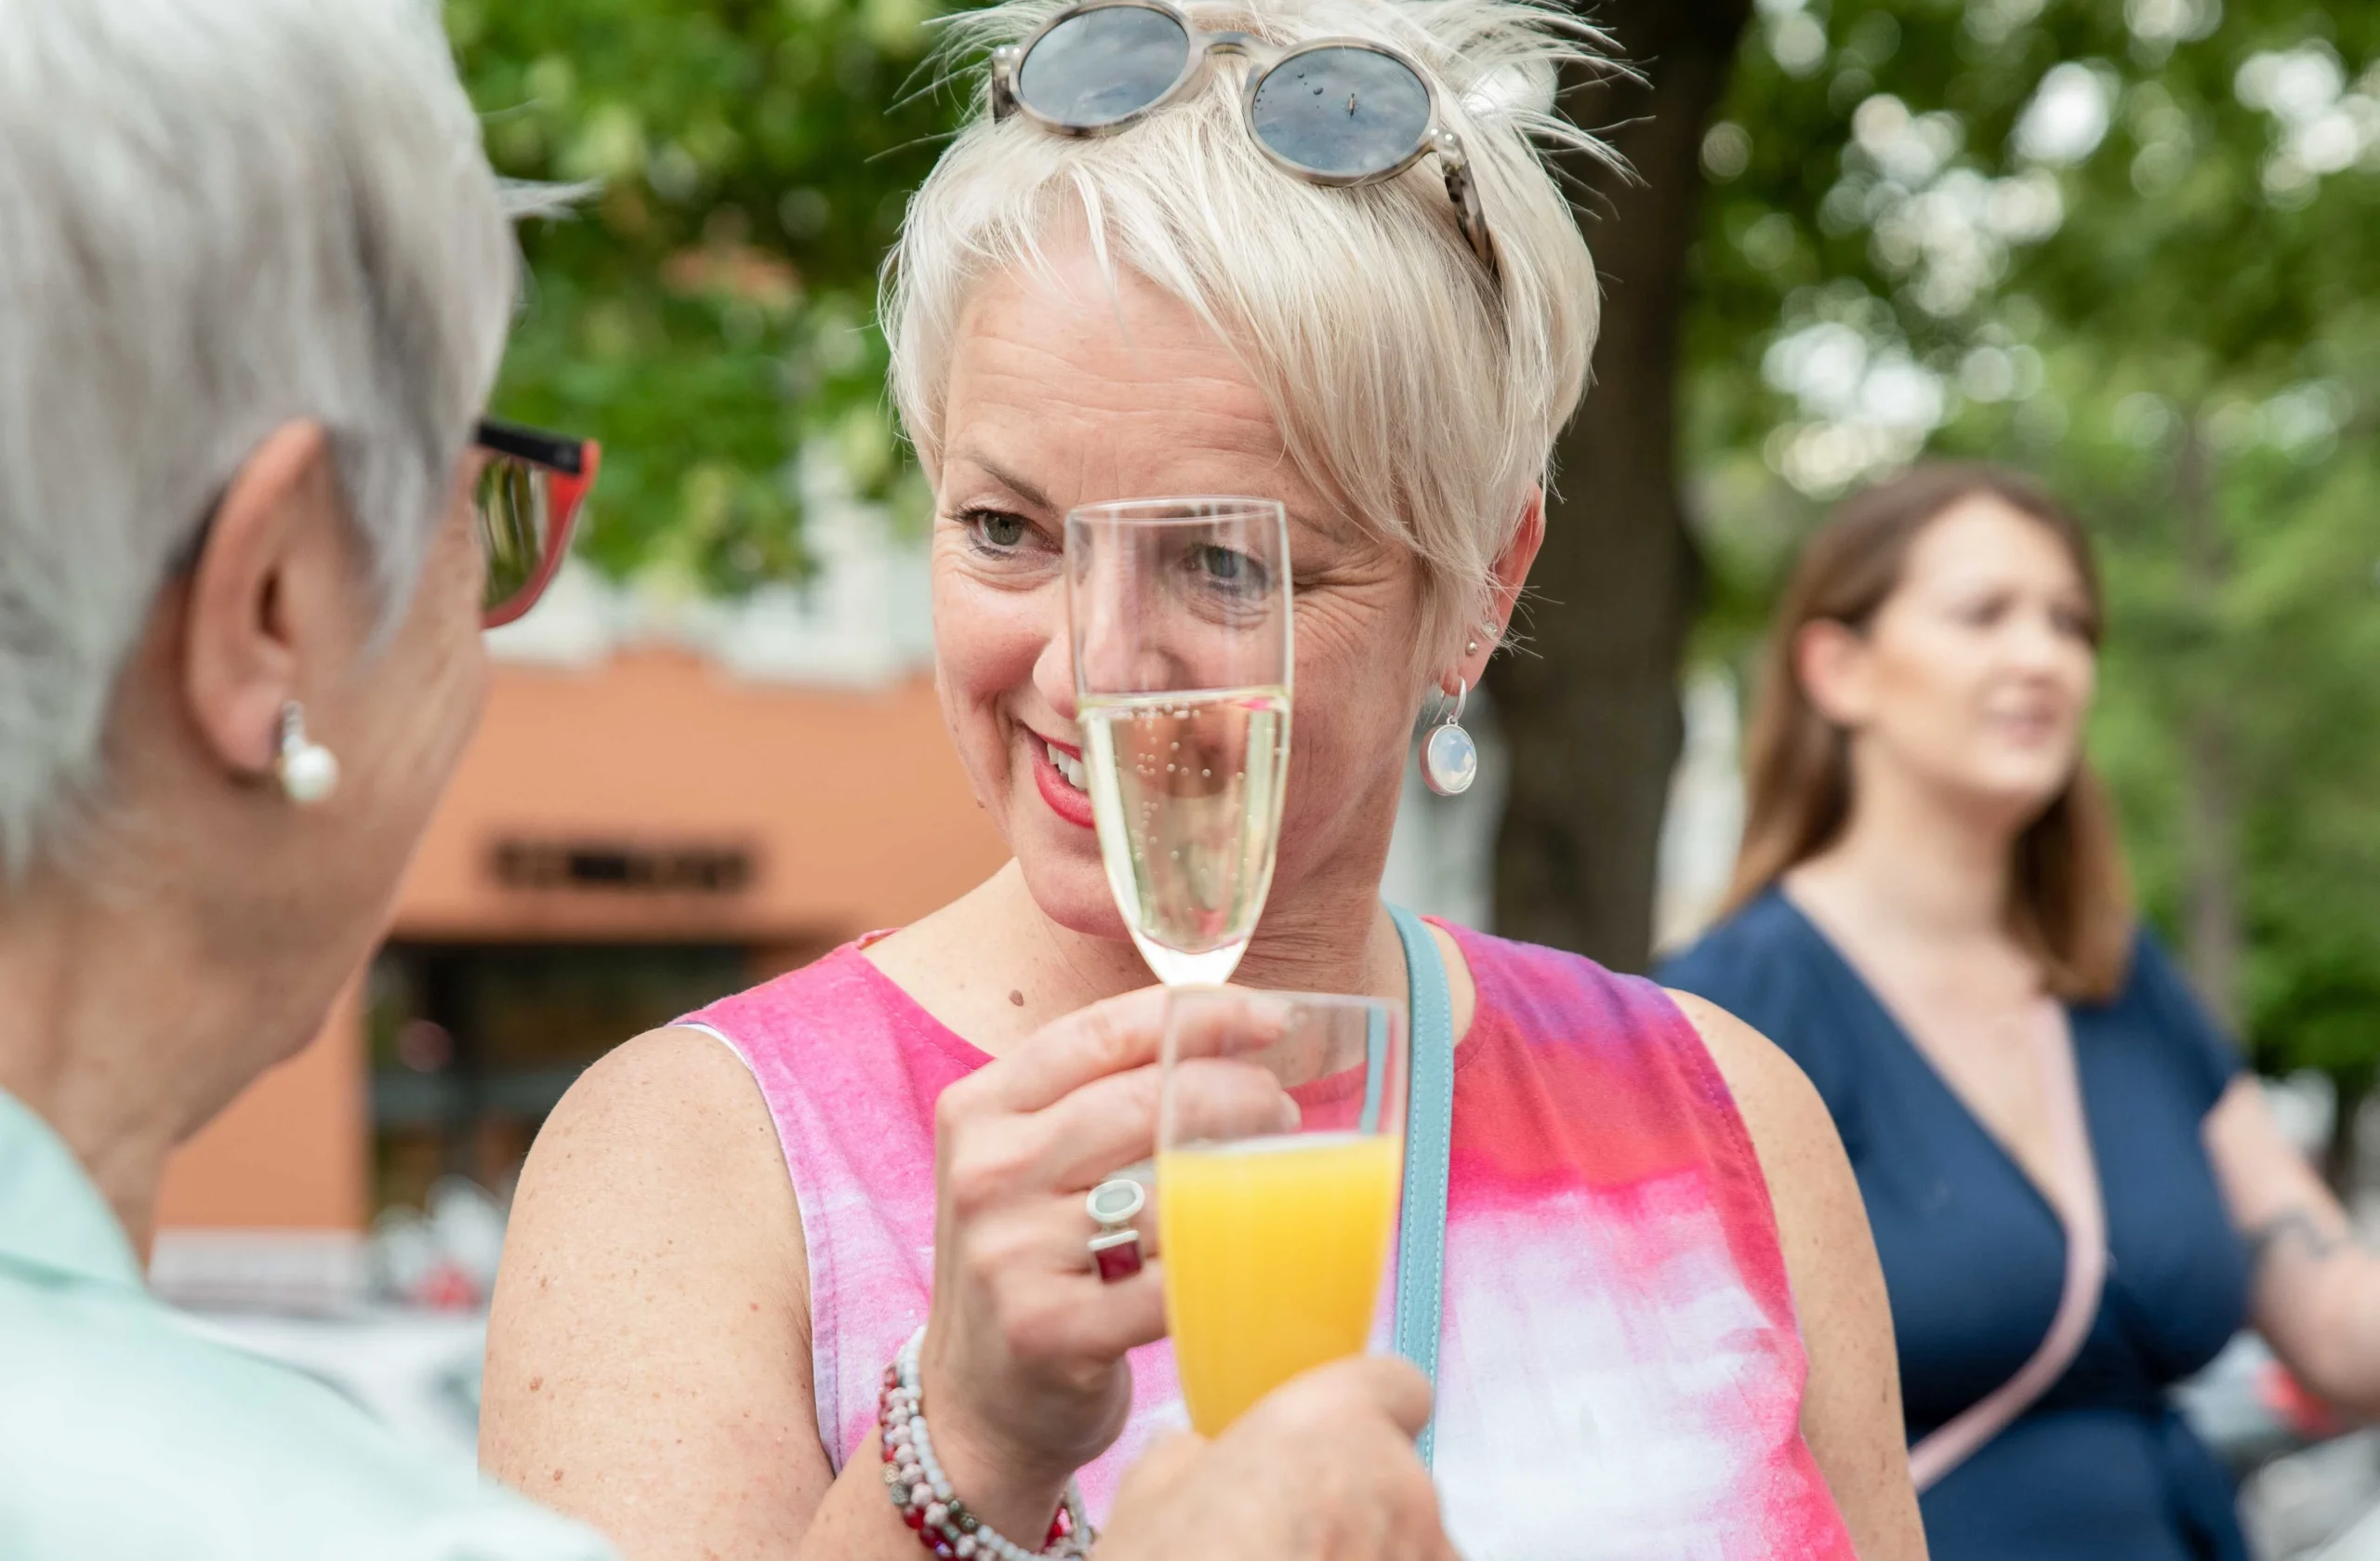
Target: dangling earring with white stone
{"type": "Point", "coordinates": [308, 771]}
{"type": "Point", "coordinates": [1449, 759]}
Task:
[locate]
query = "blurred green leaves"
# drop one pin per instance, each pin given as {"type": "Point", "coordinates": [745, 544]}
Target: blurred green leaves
{"type": "Point", "coordinates": [708, 311]}
{"type": "Point", "coordinates": [2129, 245]}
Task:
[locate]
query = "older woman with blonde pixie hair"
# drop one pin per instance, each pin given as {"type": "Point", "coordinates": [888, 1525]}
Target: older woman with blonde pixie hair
{"type": "Point", "coordinates": [255, 276]}
{"type": "Point", "coordinates": [1663, 1331]}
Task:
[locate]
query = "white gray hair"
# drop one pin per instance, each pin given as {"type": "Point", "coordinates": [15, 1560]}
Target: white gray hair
{"type": "Point", "coordinates": [1409, 385]}
{"type": "Point", "coordinates": [216, 216]}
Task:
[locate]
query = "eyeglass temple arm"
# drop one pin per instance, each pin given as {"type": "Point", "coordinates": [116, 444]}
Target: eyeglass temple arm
{"type": "Point", "coordinates": [1465, 193]}
{"type": "Point", "coordinates": [1004, 61]}
{"type": "Point", "coordinates": [536, 445]}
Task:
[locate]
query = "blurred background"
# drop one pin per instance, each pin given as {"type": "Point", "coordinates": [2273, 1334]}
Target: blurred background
{"type": "Point", "coordinates": [2129, 245]}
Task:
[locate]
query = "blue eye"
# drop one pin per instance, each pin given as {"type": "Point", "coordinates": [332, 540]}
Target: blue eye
{"type": "Point", "coordinates": [1229, 570]}
{"type": "Point", "coordinates": [995, 531]}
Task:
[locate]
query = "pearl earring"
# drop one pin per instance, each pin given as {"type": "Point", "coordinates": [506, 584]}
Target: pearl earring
{"type": "Point", "coordinates": [1449, 759]}
{"type": "Point", "coordinates": [308, 771]}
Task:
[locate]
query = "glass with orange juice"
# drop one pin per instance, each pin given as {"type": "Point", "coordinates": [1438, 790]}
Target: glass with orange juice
{"type": "Point", "coordinates": [1280, 1169]}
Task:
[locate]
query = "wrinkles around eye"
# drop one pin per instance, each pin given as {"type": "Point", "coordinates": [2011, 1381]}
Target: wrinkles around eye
{"type": "Point", "coordinates": [1001, 540]}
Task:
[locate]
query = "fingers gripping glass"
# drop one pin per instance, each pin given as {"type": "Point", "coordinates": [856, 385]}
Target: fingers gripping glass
{"type": "Point", "coordinates": [527, 501]}
{"type": "Point", "coordinates": [1340, 112]}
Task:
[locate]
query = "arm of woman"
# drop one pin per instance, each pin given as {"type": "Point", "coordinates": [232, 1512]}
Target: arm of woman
{"type": "Point", "coordinates": [648, 1363]}
{"type": "Point", "coordinates": [1851, 1413]}
{"type": "Point", "coordinates": [2317, 1290]}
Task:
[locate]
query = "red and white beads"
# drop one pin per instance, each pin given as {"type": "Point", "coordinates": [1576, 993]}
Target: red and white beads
{"type": "Point", "coordinates": [922, 1493]}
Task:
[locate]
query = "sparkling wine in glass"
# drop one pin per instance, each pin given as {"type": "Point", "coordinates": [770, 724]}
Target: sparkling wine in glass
{"type": "Point", "coordinates": [1181, 622]}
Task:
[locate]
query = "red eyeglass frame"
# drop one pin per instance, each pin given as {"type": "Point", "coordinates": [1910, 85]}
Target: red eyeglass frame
{"type": "Point", "coordinates": [571, 465]}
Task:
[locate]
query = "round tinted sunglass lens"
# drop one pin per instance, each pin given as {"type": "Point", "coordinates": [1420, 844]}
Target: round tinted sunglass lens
{"type": "Point", "coordinates": [1342, 112]}
{"type": "Point", "coordinates": [1103, 65]}
{"type": "Point", "coordinates": [513, 527]}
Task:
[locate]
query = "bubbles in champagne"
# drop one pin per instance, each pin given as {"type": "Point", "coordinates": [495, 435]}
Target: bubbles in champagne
{"type": "Point", "coordinates": [1186, 788]}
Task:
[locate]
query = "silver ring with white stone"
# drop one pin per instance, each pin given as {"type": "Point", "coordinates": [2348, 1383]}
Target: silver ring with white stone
{"type": "Point", "coordinates": [1112, 1205]}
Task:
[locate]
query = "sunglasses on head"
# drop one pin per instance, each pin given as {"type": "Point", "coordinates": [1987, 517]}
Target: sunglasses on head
{"type": "Point", "coordinates": [1340, 112]}
{"type": "Point", "coordinates": [526, 501]}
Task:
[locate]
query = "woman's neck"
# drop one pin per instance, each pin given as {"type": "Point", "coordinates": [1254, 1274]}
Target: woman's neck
{"type": "Point", "coordinates": [993, 967]}
{"type": "Point", "coordinates": [61, 1056]}
{"type": "Point", "coordinates": [1915, 862]}
{"type": "Point", "coordinates": [110, 1040]}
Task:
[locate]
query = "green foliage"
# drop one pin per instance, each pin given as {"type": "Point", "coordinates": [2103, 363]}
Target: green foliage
{"type": "Point", "coordinates": [2175, 321]}
{"type": "Point", "coordinates": [2129, 246]}
{"type": "Point", "coordinates": [709, 311]}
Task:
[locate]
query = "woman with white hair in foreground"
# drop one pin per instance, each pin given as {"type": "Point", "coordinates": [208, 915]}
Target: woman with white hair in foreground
{"type": "Point", "coordinates": [1152, 267]}
{"type": "Point", "coordinates": [255, 274]}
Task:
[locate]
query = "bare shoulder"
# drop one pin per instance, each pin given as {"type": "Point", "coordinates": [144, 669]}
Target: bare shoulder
{"type": "Point", "coordinates": [666, 1136]}
{"type": "Point", "coordinates": [1787, 1122]}
{"type": "Point", "coordinates": [1822, 1224]}
{"type": "Point", "coordinates": [676, 1093]}
{"type": "Point", "coordinates": [648, 1347]}
{"type": "Point", "coordinates": [1851, 1413]}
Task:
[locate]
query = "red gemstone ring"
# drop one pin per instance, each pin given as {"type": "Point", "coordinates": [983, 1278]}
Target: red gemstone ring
{"type": "Point", "coordinates": [1115, 1251]}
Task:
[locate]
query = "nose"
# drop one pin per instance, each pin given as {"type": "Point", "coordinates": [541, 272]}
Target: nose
{"type": "Point", "coordinates": [1053, 669]}
{"type": "Point", "coordinates": [2036, 644]}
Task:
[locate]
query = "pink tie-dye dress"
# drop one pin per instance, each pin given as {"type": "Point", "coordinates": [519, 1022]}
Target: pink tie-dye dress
{"type": "Point", "coordinates": [1621, 1372]}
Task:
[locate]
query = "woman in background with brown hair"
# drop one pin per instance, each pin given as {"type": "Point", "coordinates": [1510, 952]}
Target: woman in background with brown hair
{"type": "Point", "coordinates": [2077, 1194]}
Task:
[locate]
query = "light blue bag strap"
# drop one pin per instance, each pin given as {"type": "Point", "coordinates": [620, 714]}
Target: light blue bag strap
{"type": "Point", "coordinates": [1429, 1137]}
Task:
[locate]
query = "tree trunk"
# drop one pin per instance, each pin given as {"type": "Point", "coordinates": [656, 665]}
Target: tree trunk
{"type": "Point", "coordinates": [1589, 708]}
{"type": "Point", "coordinates": [2211, 932]}
{"type": "Point", "coordinates": [2350, 1087]}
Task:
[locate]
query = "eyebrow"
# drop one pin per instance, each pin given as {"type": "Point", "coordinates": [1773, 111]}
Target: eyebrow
{"type": "Point", "coordinates": [1005, 478]}
{"type": "Point", "coordinates": [1299, 520]}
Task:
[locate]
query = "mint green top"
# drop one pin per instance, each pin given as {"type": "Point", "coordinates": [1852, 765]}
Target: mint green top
{"type": "Point", "coordinates": [124, 1437]}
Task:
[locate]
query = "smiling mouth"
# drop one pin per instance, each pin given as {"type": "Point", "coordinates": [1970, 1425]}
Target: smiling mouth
{"type": "Point", "coordinates": [1068, 765]}
{"type": "Point", "coordinates": [2029, 725]}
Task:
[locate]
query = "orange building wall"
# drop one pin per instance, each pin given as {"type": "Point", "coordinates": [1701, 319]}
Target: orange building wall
{"type": "Point", "coordinates": [851, 806]}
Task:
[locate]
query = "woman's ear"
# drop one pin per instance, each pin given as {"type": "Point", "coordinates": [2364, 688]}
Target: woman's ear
{"type": "Point", "coordinates": [243, 632]}
{"type": "Point", "coordinates": [1831, 662]}
{"type": "Point", "coordinates": [1508, 575]}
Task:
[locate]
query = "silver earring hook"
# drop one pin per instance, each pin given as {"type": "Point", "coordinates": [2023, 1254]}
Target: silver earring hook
{"type": "Point", "coordinates": [1462, 693]}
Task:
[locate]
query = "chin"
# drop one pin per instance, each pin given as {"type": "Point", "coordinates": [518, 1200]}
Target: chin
{"type": "Point", "coordinates": [1072, 893]}
{"type": "Point", "coordinates": [2020, 793]}
{"type": "Point", "coordinates": [1062, 868]}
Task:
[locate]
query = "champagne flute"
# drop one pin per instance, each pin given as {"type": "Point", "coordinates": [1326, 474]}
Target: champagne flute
{"type": "Point", "coordinates": [1181, 626]}
{"type": "Point", "coordinates": [1274, 1227]}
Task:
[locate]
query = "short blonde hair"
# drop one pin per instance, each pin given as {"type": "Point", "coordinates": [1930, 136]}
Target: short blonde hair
{"type": "Point", "coordinates": [1418, 391]}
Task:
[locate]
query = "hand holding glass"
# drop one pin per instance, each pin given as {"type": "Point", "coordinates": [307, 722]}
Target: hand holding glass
{"type": "Point", "coordinates": [1275, 1234]}
{"type": "Point", "coordinates": [1180, 612]}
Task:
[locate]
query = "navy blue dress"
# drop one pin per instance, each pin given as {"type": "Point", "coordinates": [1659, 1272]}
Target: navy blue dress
{"type": "Point", "coordinates": [2101, 1469]}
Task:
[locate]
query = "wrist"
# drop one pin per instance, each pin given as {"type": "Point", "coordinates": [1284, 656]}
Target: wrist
{"type": "Point", "coordinates": [959, 1491]}
{"type": "Point", "coordinates": [1016, 1495]}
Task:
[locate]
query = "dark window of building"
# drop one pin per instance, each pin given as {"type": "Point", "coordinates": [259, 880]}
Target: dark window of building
{"type": "Point", "coordinates": [472, 1044]}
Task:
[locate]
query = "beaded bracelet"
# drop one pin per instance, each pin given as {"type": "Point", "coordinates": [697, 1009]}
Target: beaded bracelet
{"type": "Point", "coordinates": [921, 1494]}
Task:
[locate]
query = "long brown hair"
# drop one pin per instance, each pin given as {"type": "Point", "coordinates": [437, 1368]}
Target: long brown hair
{"type": "Point", "coordinates": [2071, 904]}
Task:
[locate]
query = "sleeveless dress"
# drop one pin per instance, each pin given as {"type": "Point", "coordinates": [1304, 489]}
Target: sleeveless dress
{"type": "Point", "coordinates": [1621, 1372]}
{"type": "Point", "coordinates": [2102, 1468]}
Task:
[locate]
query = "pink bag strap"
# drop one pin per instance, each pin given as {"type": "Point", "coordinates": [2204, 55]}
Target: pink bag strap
{"type": "Point", "coordinates": [2086, 1269]}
